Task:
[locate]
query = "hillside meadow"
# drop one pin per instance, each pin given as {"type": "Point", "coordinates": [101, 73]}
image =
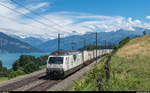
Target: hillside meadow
{"type": "Point", "coordinates": [129, 70]}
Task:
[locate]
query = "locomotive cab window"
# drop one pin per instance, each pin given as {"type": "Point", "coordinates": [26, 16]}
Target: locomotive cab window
{"type": "Point", "coordinates": [56, 60]}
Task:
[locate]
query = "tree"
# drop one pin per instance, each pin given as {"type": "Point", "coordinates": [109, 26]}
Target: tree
{"type": "Point", "coordinates": [41, 60]}
{"type": "Point", "coordinates": [30, 67]}
{"type": "Point", "coordinates": [24, 59]}
{"type": "Point", "coordinates": [28, 63]}
{"type": "Point", "coordinates": [90, 47]}
{"type": "Point", "coordinates": [16, 65]}
{"type": "Point", "coordinates": [144, 33]}
{"type": "Point", "coordinates": [123, 42]}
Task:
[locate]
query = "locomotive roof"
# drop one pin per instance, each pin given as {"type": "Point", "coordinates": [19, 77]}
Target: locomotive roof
{"type": "Point", "coordinates": [64, 52]}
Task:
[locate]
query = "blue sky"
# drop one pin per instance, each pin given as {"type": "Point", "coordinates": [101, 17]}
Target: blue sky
{"type": "Point", "coordinates": [79, 15]}
{"type": "Point", "coordinates": [127, 8]}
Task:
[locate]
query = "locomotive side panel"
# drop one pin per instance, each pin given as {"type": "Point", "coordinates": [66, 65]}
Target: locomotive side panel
{"type": "Point", "coordinates": [75, 63]}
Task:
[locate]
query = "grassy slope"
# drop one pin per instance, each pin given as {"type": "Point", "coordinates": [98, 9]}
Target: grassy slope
{"type": "Point", "coordinates": [131, 66]}
{"type": "Point", "coordinates": [3, 79]}
{"type": "Point", "coordinates": [130, 69]}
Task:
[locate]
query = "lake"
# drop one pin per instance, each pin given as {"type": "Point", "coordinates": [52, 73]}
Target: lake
{"type": "Point", "coordinates": [9, 58]}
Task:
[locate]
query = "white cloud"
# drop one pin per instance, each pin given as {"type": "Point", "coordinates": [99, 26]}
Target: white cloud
{"type": "Point", "coordinates": [12, 23]}
{"type": "Point", "coordinates": [32, 8]}
{"type": "Point", "coordinates": [147, 17]}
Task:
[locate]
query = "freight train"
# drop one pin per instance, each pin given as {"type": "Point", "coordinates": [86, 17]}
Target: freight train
{"type": "Point", "coordinates": [62, 63]}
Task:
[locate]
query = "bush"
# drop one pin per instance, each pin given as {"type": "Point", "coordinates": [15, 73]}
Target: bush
{"type": "Point", "coordinates": [121, 43]}
{"type": "Point", "coordinates": [14, 74]}
{"type": "Point", "coordinates": [20, 72]}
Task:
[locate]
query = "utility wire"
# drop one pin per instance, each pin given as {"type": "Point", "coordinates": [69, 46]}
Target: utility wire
{"type": "Point", "coordinates": [27, 16]}
{"type": "Point", "coordinates": [23, 24]}
{"type": "Point", "coordinates": [38, 14]}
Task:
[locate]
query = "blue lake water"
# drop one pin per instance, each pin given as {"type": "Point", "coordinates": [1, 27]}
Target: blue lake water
{"type": "Point", "coordinates": [9, 58]}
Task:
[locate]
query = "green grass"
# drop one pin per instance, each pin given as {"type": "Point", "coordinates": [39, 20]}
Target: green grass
{"type": "Point", "coordinates": [42, 67]}
{"type": "Point", "coordinates": [88, 81]}
{"type": "Point", "coordinates": [126, 74]}
{"type": "Point", "coordinates": [129, 69]}
{"type": "Point", "coordinates": [129, 74]}
{"type": "Point", "coordinates": [3, 79]}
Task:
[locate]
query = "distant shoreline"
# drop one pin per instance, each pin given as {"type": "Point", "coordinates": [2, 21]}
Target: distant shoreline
{"type": "Point", "coordinates": [9, 58]}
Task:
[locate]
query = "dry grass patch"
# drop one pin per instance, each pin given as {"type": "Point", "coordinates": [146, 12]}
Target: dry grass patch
{"type": "Point", "coordinates": [139, 45]}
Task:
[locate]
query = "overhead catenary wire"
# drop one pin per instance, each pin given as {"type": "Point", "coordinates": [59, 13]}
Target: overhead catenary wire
{"type": "Point", "coordinates": [35, 13]}
{"type": "Point", "coordinates": [34, 19]}
{"type": "Point", "coordinates": [48, 26]}
{"type": "Point", "coordinates": [31, 26]}
{"type": "Point", "coordinates": [23, 24]}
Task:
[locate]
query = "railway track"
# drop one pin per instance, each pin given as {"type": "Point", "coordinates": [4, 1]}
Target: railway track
{"type": "Point", "coordinates": [21, 83]}
{"type": "Point", "coordinates": [44, 86]}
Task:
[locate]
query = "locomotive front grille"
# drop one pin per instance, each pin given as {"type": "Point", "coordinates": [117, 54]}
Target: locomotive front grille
{"type": "Point", "coordinates": [55, 72]}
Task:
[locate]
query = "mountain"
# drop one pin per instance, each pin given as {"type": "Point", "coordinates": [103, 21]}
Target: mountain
{"type": "Point", "coordinates": [13, 45]}
{"type": "Point", "coordinates": [35, 42]}
{"type": "Point", "coordinates": [110, 37]}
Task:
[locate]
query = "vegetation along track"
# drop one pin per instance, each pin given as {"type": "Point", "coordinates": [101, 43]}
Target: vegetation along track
{"type": "Point", "coordinates": [107, 67]}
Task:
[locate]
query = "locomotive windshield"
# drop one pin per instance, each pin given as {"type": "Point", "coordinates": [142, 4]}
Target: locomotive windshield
{"type": "Point", "coordinates": [56, 60]}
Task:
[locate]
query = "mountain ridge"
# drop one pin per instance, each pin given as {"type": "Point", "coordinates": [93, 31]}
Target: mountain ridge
{"type": "Point", "coordinates": [12, 45]}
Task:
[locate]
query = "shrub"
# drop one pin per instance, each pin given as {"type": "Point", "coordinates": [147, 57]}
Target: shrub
{"type": "Point", "coordinates": [12, 75]}
{"type": "Point", "coordinates": [20, 72]}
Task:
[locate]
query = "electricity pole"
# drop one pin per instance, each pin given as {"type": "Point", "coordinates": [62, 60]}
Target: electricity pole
{"type": "Point", "coordinates": [58, 42]}
{"type": "Point", "coordinates": [72, 43]}
{"type": "Point", "coordinates": [84, 42]}
{"type": "Point", "coordinates": [96, 47]}
{"type": "Point", "coordinates": [105, 45]}
{"type": "Point", "coordinates": [96, 44]}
